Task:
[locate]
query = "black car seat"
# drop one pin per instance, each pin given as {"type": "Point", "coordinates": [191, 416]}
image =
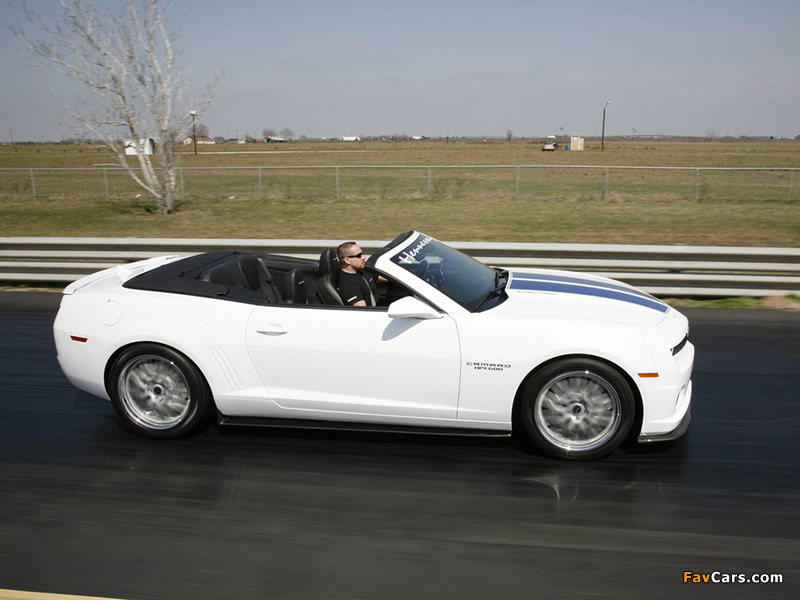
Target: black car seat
{"type": "Point", "coordinates": [223, 275]}
{"type": "Point", "coordinates": [257, 277]}
{"type": "Point", "coordinates": [329, 269]}
{"type": "Point", "coordinates": [294, 287]}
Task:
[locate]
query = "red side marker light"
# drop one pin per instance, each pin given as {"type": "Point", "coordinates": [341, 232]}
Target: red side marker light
{"type": "Point", "coordinates": [77, 338]}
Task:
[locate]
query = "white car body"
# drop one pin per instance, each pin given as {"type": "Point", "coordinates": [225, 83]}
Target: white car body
{"type": "Point", "coordinates": [422, 361]}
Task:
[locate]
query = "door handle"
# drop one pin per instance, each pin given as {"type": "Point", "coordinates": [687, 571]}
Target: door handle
{"type": "Point", "coordinates": [272, 329]}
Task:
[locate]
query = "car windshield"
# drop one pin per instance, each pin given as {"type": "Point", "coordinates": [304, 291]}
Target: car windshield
{"type": "Point", "coordinates": [460, 277]}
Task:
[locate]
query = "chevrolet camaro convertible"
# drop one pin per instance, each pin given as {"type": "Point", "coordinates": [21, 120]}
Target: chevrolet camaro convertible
{"type": "Point", "coordinates": [575, 364]}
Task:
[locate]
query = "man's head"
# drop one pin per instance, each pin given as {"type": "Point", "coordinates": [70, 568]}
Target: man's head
{"type": "Point", "coordinates": [351, 257]}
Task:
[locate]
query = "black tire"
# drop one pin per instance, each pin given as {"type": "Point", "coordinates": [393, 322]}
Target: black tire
{"type": "Point", "coordinates": [577, 409]}
{"type": "Point", "coordinates": [158, 392]}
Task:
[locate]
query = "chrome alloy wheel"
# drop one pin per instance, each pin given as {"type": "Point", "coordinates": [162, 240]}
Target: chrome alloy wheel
{"type": "Point", "coordinates": [154, 392]}
{"type": "Point", "coordinates": [577, 411]}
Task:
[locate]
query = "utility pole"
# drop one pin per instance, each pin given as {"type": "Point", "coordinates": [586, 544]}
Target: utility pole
{"type": "Point", "coordinates": [193, 114]}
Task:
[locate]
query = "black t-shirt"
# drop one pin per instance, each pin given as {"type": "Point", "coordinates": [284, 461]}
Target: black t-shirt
{"type": "Point", "coordinates": [359, 286]}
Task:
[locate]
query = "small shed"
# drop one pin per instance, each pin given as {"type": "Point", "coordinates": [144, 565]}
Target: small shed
{"type": "Point", "coordinates": [575, 143]}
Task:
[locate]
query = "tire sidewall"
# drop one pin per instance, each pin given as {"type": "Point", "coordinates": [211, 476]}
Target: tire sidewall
{"type": "Point", "coordinates": [534, 386]}
{"type": "Point", "coordinates": [200, 396]}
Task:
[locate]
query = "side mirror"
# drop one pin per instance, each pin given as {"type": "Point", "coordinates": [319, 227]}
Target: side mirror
{"type": "Point", "coordinates": [412, 308]}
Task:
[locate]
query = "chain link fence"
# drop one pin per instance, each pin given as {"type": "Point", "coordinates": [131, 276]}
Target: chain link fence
{"type": "Point", "coordinates": [421, 181]}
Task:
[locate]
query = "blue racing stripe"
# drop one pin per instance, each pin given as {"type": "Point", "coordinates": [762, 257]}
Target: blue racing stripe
{"type": "Point", "coordinates": [583, 290]}
{"type": "Point", "coordinates": [583, 281]}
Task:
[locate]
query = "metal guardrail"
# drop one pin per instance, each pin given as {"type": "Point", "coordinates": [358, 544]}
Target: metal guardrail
{"type": "Point", "coordinates": [666, 271]}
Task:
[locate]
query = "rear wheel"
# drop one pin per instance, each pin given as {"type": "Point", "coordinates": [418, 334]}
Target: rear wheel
{"type": "Point", "coordinates": [158, 392]}
{"type": "Point", "coordinates": [577, 409]}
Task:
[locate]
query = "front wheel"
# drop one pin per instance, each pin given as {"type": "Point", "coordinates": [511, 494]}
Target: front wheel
{"type": "Point", "coordinates": [578, 409]}
{"type": "Point", "coordinates": [158, 392]}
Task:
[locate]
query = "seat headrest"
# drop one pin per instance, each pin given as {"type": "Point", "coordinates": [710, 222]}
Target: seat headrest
{"type": "Point", "coordinates": [329, 263]}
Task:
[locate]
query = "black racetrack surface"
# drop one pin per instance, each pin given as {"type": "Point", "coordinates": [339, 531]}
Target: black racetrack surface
{"type": "Point", "coordinates": [88, 509]}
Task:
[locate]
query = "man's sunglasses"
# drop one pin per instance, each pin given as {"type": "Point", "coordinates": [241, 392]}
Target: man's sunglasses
{"type": "Point", "coordinates": [359, 255]}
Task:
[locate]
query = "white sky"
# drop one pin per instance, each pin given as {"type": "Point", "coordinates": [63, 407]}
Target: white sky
{"type": "Point", "coordinates": [468, 68]}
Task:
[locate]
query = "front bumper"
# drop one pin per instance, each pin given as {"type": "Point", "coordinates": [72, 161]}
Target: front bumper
{"type": "Point", "coordinates": [682, 427]}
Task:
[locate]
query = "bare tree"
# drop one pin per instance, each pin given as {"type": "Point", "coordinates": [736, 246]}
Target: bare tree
{"type": "Point", "coordinates": [287, 133]}
{"type": "Point", "coordinates": [125, 55]}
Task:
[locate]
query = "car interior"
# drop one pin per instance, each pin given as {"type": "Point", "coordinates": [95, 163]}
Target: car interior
{"type": "Point", "coordinates": [284, 280]}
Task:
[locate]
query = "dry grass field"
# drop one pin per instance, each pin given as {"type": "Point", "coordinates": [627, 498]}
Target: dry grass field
{"type": "Point", "coordinates": [553, 197]}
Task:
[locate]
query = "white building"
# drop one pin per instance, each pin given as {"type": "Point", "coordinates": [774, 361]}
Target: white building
{"type": "Point", "coordinates": [132, 148]}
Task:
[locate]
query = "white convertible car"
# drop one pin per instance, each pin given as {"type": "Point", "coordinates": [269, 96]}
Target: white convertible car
{"type": "Point", "coordinates": [574, 363]}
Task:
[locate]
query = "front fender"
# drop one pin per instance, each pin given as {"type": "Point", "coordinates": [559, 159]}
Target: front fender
{"type": "Point", "coordinates": [495, 366]}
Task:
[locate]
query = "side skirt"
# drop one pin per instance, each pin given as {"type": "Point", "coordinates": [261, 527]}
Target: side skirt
{"type": "Point", "coordinates": [360, 427]}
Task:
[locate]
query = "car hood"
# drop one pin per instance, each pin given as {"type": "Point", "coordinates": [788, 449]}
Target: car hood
{"type": "Point", "coordinates": [547, 293]}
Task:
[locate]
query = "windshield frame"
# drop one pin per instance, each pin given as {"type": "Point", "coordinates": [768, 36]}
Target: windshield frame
{"type": "Point", "coordinates": [469, 283]}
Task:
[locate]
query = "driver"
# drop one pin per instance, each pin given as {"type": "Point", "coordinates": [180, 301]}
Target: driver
{"type": "Point", "coordinates": [356, 286]}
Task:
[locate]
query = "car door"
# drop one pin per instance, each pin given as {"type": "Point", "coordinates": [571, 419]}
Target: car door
{"type": "Point", "coordinates": [356, 363]}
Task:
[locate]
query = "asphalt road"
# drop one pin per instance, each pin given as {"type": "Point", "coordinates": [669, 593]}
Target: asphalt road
{"type": "Point", "coordinates": [88, 509]}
